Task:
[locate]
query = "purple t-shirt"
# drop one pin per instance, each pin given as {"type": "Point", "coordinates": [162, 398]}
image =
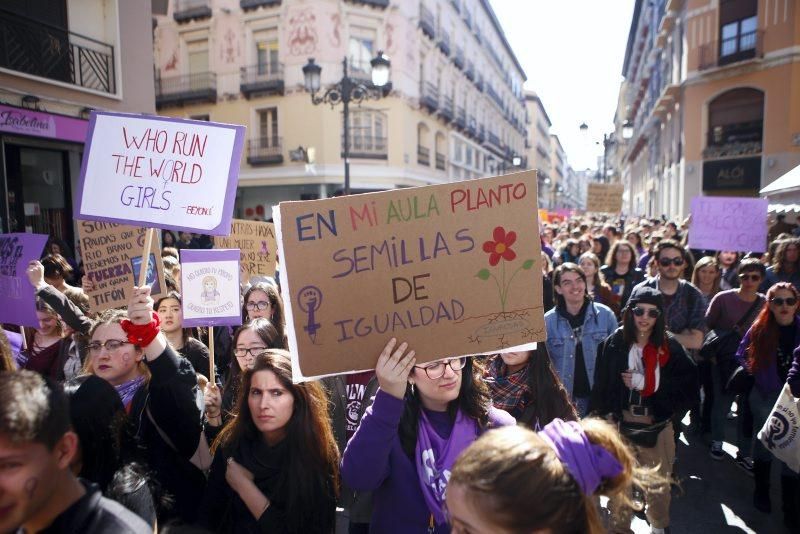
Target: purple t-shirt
{"type": "Point", "coordinates": [726, 309]}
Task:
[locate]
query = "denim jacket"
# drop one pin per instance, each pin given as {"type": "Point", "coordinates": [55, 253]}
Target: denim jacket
{"type": "Point", "coordinates": [598, 324]}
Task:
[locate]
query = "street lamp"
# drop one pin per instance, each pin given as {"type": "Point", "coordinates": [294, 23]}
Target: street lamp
{"type": "Point", "coordinates": [627, 130]}
{"type": "Point", "coordinates": [345, 91]}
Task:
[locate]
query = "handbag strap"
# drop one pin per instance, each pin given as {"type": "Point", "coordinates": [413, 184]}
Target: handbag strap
{"type": "Point", "coordinates": [753, 307]}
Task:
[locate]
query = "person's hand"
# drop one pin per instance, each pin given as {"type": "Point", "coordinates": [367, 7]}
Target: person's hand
{"type": "Point", "coordinates": [35, 272]}
{"type": "Point", "coordinates": [237, 476]}
{"type": "Point", "coordinates": [88, 285]}
{"type": "Point", "coordinates": [140, 307]}
{"type": "Point", "coordinates": [627, 378]}
{"type": "Point", "coordinates": [213, 401]}
{"type": "Point", "coordinates": [393, 368]}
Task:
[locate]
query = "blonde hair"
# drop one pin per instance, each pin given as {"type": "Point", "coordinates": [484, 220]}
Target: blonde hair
{"type": "Point", "coordinates": [210, 278]}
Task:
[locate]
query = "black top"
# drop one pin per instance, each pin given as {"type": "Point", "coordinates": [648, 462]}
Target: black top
{"type": "Point", "coordinates": [197, 354]}
{"type": "Point", "coordinates": [625, 282]}
{"type": "Point", "coordinates": [786, 346]}
{"type": "Point", "coordinates": [580, 387]}
{"type": "Point", "coordinates": [93, 513]}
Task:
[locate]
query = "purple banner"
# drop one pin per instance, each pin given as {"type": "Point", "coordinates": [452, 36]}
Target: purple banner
{"type": "Point", "coordinates": [17, 297]}
{"type": "Point", "coordinates": [28, 122]}
{"type": "Point", "coordinates": [210, 287]}
{"type": "Point", "coordinates": [729, 223]}
{"type": "Point", "coordinates": [160, 172]}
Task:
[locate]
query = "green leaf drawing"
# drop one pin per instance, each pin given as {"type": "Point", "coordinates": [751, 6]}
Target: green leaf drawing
{"type": "Point", "coordinates": [527, 265]}
{"type": "Point", "coordinates": [483, 274]}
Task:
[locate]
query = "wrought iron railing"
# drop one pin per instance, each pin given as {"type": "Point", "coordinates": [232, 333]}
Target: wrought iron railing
{"type": "Point", "coordinates": [265, 149]}
{"type": "Point", "coordinates": [187, 87]}
{"type": "Point", "coordinates": [423, 155]}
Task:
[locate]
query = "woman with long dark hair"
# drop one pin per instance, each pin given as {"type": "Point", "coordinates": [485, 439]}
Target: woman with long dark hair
{"type": "Point", "coordinates": [423, 416]}
{"type": "Point", "coordinates": [620, 271]}
{"type": "Point", "coordinates": [275, 464]}
{"type": "Point", "coordinates": [597, 288]}
{"type": "Point", "coordinates": [262, 300]}
{"type": "Point", "coordinates": [767, 353]}
{"type": "Point", "coordinates": [525, 385]}
{"type": "Point", "coordinates": [170, 313]}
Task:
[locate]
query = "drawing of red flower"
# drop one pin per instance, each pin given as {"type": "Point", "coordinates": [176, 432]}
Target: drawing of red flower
{"type": "Point", "coordinates": [501, 246]}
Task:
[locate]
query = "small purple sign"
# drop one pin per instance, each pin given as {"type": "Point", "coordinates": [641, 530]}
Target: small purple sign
{"type": "Point", "coordinates": [210, 287]}
{"type": "Point", "coordinates": [160, 172]}
{"type": "Point", "coordinates": [39, 124]}
{"type": "Point", "coordinates": [17, 296]}
{"type": "Point", "coordinates": [729, 223]}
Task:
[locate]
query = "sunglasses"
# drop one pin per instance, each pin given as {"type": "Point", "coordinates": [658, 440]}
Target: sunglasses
{"type": "Point", "coordinates": [777, 301]}
{"type": "Point", "coordinates": [665, 262]}
{"type": "Point", "coordinates": [750, 277]}
{"type": "Point", "coordinates": [652, 312]}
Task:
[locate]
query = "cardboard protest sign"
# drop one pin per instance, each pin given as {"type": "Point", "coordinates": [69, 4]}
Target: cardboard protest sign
{"type": "Point", "coordinates": [112, 260]}
{"type": "Point", "coordinates": [729, 223]}
{"type": "Point", "coordinates": [210, 287]}
{"type": "Point", "coordinates": [453, 269]}
{"type": "Point", "coordinates": [604, 198]}
{"type": "Point", "coordinates": [17, 296]}
{"type": "Point", "coordinates": [257, 244]}
{"type": "Point", "coordinates": [160, 172]}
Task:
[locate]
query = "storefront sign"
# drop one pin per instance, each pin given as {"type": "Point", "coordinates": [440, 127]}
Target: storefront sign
{"type": "Point", "coordinates": [160, 172]}
{"type": "Point", "coordinates": [39, 124]}
{"type": "Point", "coordinates": [451, 269]}
{"type": "Point", "coordinates": [17, 296]}
{"type": "Point", "coordinates": [210, 287]}
{"type": "Point", "coordinates": [256, 241]}
{"type": "Point", "coordinates": [732, 174]}
{"type": "Point", "coordinates": [729, 223]}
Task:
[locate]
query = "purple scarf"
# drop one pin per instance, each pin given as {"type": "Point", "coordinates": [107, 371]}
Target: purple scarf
{"type": "Point", "coordinates": [128, 389]}
{"type": "Point", "coordinates": [435, 458]}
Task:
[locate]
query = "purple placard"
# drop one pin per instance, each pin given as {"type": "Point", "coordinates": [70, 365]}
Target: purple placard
{"type": "Point", "coordinates": [729, 223]}
{"type": "Point", "coordinates": [39, 124]}
{"type": "Point", "coordinates": [17, 296]}
{"type": "Point", "coordinates": [210, 287]}
{"type": "Point", "coordinates": [160, 172]}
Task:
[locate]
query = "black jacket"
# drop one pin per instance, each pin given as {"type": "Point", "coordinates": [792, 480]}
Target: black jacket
{"type": "Point", "coordinates": [632, 277]}
{"type": "Point", "coordinates": [94, 514]}
{"type": "Point", "coordinates": [678, 391]}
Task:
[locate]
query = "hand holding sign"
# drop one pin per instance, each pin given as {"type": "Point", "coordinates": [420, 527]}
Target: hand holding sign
{"type": "Point", "coordinates": [140, 306]}
{"type": "Point", "coordinates": [35, 274]}
{"type": "Point", "coordinates": [394, 367]}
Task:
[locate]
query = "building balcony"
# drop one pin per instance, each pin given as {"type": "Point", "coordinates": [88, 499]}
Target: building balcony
{"type": "Point", "coordinates": [472, 126]}
{"type": "Point", "coordinates": [367, 146]}
{"type": "Point", "coordinates": [32, 47]}
{"type": "Point", "coordinates": [446, 109]}
{"type": "Point", "coordinates": [469, 72]}
{"type": "Point", "coordinates": [479, 82]}
{"type": "Point", "coordinates": [424, 156]}
{"type": "Point", "coordinates": [458, 58]}
{"type": "Point", "coordinates": [478, 36]}
{"type": "Point", "coordinates": [494, 140]}
{"type": "Point", "coordinates": [260, 80]}
{"type": "Point", "coordinates": [740, 48]}
{"type": "Point", "coordinates": [444, 43]}
{"type": "Point", "coordinates": [429, 96]}
{"type": "Point", "coordinates": [186, 10]}
{"type": "Point", "coordinates": [456, 5]}
{"type": "Point", "coordinates": [480, 136]}
{"type": "Point", "coordinates": [265, 151]}
{"type": "Point", "coordinates": [467, 17]}
{"type": "Point", "coordinates": [494, 96]}
{"type": "Point", "coordinates": [186, 89]}
{"type": "Point", "coordinates": [247, 5]}
{"type": "Point", "coordinates": [441, 161]}
{"type": "Point", "coordinates": [461, 118]}
{"type": "Point", "coordinates": [426, 22]}
{"type": "Point", "coordinates": [494, 55]}
{"type": "Point", "coordinates": [374, 3]}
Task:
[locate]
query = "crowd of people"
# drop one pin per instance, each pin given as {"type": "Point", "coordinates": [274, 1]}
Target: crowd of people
{"type": "Point", "coordinates": [109, 422]}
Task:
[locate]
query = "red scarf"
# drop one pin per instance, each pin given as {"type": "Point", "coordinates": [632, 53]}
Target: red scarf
{"type": "Point", "coordinates": [650, 356]}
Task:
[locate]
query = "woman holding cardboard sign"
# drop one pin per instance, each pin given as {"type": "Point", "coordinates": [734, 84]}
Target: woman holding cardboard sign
{"type": "Point", "coordinates": [423, 416]}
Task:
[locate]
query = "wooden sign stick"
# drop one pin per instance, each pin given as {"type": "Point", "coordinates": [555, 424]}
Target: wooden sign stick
{"type": "Point", "coordinates": [148, 242]}
{"type": "Point", "coordinates": [211, 377]}
{"type": "Point", "coordinates": [24, 341]}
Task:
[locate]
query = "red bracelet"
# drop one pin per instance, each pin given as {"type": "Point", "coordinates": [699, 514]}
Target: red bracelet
{"type": "Point", "coordinates": [142, 334]}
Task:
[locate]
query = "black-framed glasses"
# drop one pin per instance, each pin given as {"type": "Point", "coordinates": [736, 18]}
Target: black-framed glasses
{"type": "Point", "coordinates": [653, 313]}
{"type": "Point", "coordinates": [436, 370]}
{"type": "Point", "coordinates": [665, 262]}
{"type": "Point", "coordinates": [241, 352]}
{"type": "Point", "coordinates": [110, 345]}
{"type": "Point", "coordinates": [261, 305]}
{"type": "Point", "coordinates": [778, 301]}
{"type": "Point", "coordinates": [744, 277]}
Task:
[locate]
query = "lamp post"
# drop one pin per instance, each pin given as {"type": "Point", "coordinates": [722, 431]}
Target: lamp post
{"type": "Point", "coordinates": [345, 91]}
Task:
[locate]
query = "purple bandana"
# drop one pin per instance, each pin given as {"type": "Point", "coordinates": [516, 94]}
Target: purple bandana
{"type": "Point", "coordinates": [435, 458]}
{"type": "Point", "coordinates": [588, 463]}
{"type": "Point", "coordinates": [128, 389]}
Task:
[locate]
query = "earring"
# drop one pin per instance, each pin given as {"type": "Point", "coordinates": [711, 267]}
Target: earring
{"type": "Point", "coordinates": [412, 387]}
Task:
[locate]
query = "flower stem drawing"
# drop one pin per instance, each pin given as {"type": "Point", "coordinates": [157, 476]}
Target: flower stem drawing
{"type": "Point", "coordinates": [499, 248]}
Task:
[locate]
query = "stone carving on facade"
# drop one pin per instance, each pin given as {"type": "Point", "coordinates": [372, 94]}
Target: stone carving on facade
{"type": "Point", "coordinates": [302, 33]}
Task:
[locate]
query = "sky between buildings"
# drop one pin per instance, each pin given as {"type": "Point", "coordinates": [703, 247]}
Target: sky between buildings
{"type": "Point", "coordinates": [572, 52]}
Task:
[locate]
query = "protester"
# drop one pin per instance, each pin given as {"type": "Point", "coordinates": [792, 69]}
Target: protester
{"type": "Point", "coordinates": [6, 354]}
{"type": "Point", "coordinates": [59, 247]}
{"type": "Point", "coordinates": [620, 271]}
{"type": "Point", "coordinates": [596, 287]}
{"type": "Point", "coordinates": [159, 392]}
{"type": "Point", "coordinates": [575, 327]}
{"type": "Point", "coordinates": [569, 252]}
{"type": "Point", "coordinates": [421, 419]}
{"type": "Point", "coordinates": [170, 314]}
{"type": "Point", "coordinates": [784, 265]}
{"type": "Point", "coordinates": [168, 239]}
{"type": "Point", "coordinates": [275, 464]}
{"type": "Point", "coordinates": [728, 262]}
{"type": "Point", "coordinates": [600, 246]}
{"type": "Point", "coordinates": [767, 353]}
{"type": "Point", "coordinates": [37, 449]}
{"type": "Point", "coordinates": [515, 480]}
{"type": "Point", "coordinates": [706, 278]}
{"type": "Point", "coordinates": [780, 227]}
{"type": "Point", "coordinates": [263, 300]}
{"type": "Point", "coordinates": [44, 344]}
{"type": "Point", "coordinates": [56, 272]}
{"type": "Point", "coordinates": [525, 385]}
{"type": "Point", "coordinates": [635, 239]}
{"type": "Point", "coordinates": [643, 377]}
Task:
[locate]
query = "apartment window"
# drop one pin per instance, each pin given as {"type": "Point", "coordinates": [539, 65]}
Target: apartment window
{"type": "Point", "coordinates": [267, 57]}
{"type": "Point", "coordinates": [205, 117]}
{"type": "Point", "coordinates": [198, 56]}
{"type": "Point", "coordinates": [361, 53]}
{"type": "Point", "coordinates": [368, 129]}
{"type": "Point", "coordinates": [739, 36]}
{"type": "Point", "coordinates": [268, 127]}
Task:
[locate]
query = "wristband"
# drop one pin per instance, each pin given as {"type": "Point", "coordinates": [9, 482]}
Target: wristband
{"type": "Point", "coordinates": [141, 334]}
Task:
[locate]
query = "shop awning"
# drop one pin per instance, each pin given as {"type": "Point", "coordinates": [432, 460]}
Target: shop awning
{"type": "Point", "coordinates": [788, 183]}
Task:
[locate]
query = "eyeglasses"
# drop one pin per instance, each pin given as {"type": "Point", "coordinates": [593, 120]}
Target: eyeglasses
{"type": "Point", "coordinates": [653, 313]}
{"type": "Point", "coordinates": [253, 351]}
{"type": "Point", "coordinates": [436, 370]}
{"type": "Point", "coordinates": [110, 345]}
{"type": "Point", "coordinates": [777, 301]}
{"type": "Point", "coordinates": [260, 305]}
{"type": "Point", "coordinates": [665, 262]}
{"type": "Point", "coordinates": [750, 277]}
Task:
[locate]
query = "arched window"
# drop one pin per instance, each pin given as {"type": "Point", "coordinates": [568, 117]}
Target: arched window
{"type": "Point", "coordinates": [441, 151]}
{"type": "Point", "coordinates": [735, 123]}
{"type": "Point", "coordinates": [423, 144]}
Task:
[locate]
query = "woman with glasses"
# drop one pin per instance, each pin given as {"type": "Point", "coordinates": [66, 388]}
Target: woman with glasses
{"type": "Point", "coordinates": [158, 391]}
{"type": "Point", "coordinates": [249, 340]}
{"type": "Point", "coordinates": [642, 377]}
{"type": "Point", "coordinates": [767, 353]}
{"type": "Point", "coordinates": [422, 417]}
{"type": "Point", "coordinates": [262, 300]}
